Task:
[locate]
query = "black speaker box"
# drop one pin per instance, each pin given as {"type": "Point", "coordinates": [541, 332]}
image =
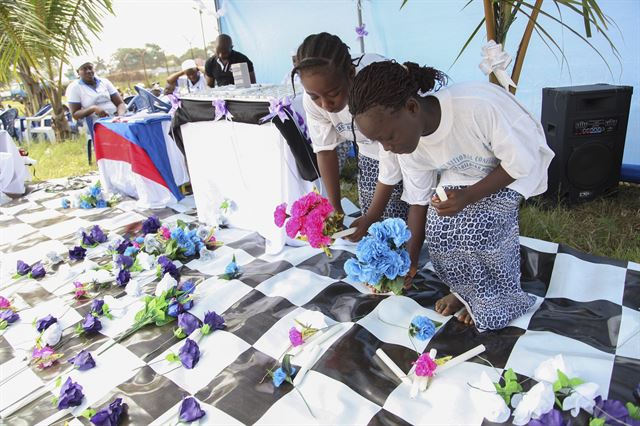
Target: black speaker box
{"type": "Point", "coordinates": [586, 128]}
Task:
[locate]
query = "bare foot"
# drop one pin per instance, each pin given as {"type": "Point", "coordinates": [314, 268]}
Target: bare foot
{"type": "Point", "coordinates": [465, 317]}
{"type": "Point", "coordinates": [448, 305]}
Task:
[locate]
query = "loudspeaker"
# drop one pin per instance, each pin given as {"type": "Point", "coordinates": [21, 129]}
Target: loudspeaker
{"type": "Point", "coordinates": [586, 128]}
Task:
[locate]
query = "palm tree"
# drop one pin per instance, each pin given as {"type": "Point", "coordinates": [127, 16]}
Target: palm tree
{"type": "Point", "coordinates": [37, 38]}
{"type": "Point", "coordinates": [500, 14]}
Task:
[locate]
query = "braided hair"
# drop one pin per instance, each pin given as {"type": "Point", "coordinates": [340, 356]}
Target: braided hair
{"type": "Point", "coordinates": [321, 50]}
{"type": "Point", "coordinates": [390, 85]}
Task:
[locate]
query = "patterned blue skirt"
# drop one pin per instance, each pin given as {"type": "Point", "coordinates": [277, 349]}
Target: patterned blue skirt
{"type": "Point", "coordinates": [477, 254]}
{"type": "Point", "coordinates": [367, 180]}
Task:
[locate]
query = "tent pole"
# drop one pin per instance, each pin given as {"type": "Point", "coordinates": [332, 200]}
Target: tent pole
{"type": "Point", "coordinates": [359, 5]}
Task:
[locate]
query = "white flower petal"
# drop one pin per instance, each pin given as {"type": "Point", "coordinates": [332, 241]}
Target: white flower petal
{"type": "Point", "coordinates": [582, 397]}
{"type": "Point", "coordinates": [165, 284]}
{"type": "Point", "coordinates": [547, 371]}
{"type": "Point", "coordinates": [51, 336]}
{"type": "Point", "coordinates": [536, 402]}
{"type": "Point", "coordinates": [487, 401]}
{"type": "Point", "coordinates": [133, 288]}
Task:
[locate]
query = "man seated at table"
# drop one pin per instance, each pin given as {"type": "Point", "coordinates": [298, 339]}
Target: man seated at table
{"type": "Point", "coordinates": [90, 95]}
{"type": "Point", "coordinates": [190, 77]}
{"type": "Point", "coordinates": [217, 69]}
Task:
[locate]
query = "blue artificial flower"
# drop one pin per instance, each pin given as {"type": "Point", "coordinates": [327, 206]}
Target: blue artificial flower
{"type": "Point", "coordinates": [175, 308]}
{"type": "Point", "coordinates": [95, 191]}
{"type": "Point", "coordinates": [369, 250]}
{"type": "Point", "coordinates": [130, 251]}
{"type": "Point", "coordinates": [214, 321]}
{"type": "Point", "coordinates": [65, 203]}
{"type": "Point", "coordinates": [177, 234]}
{"type": "Point", "coordinates": [187, 287]}
{"type": "Point", "coordinates": [84, 204]}
{"type": "Point", "coordinates": [140, 240]}
{"type": "Point", "coordinates": [397, 230]}
{"type": "Point", "coordinates": [279, 376]}
{"type": "Point", "coordinates": [232, 269]}
{"type": "Point", "coordinates": [422, 328]}
{"type": "Point", "coordinates": [353, 269]}
{"type": "Point", "coordinates": [101, 204]}
{"type": "Point", "coordinates": [390, 265]}
{"type": "Point", "coordinates": [124, 243]}
{"type": "Point", "coordinates": [406, 263]}
{"type": "Point", "coordinates": [378, 231]}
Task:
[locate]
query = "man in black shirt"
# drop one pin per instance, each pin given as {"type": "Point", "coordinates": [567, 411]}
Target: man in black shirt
{"type": "Point", "coordinates": [217, 69]}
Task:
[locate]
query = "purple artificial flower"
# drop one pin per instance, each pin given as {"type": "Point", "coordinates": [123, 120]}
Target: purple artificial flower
{"type": "Point", "coordinates": [87, 239]}
{"type": "Point", "coordinates": [37, 271]}
{"type": "Point", "coordinates": [43, 323]}
{"type": "Point", "coordinates": [190, 410]}
{"type": "Point", "coordinates": [189, 354]}
{"type": "Point", "coordinates": [551, 418]}
{"type": "Point", "coordinates": [124, 262]}
{"type": "Point", "coordinates": [221, 110]}
{"type": "Point", "coordinates": [123, 277]}
{"type": "Point", "coordinates": [83, 361]}
{"type": "Point", "coordinates": [110, 416]}
{"type": "Point", "coordinates": [151, 225]}
{"type": "Point", "coordinates": [188, 322]}
{"type": "Point", "coordinates": [97, 235]}
{"type": "Point", "coordinates": [636, 393]}
{"type": "Point", "coordinates": [295, 337]}
{"type": "Point", "coordinates": [96, 306]}
{"type": "Point", "coordinates": [214, 321]}
{"type": "Point", "coordinates": [613, 411]}
{"type": "Point", "coordinates": [91, 324]}
{"type": "Point", "coordinates": [361, 32]}
{"type": "Point", "coordinates": [168, 267]}
{"type": "Point", "coordinates": [77, 253]}
{"type": "Point", "coordinates": [22, 268]}
{"type": "Point", "coordinates": [9, 316]}
{"type": "Point", "coordinates": [70, 395]}
{"type": "Point", "coordinates": [123, 245]}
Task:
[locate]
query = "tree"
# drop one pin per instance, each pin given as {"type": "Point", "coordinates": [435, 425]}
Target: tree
{"type": "Point", "coordinates": [500, 14]}
{"type": "Point", "coordinates": [37, 38]}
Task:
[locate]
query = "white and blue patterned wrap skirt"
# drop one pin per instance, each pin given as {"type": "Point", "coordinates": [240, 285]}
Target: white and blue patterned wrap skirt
{"type": "Point", "coordinates": [367, 179]}
{"type": "Point", "coordinates": [477, 254]}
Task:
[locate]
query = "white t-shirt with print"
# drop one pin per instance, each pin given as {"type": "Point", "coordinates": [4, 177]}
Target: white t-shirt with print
{"type": "Point", "coordinates": [79, 92]}
{"type": "Point", "coordinates": [328, 130]}
{"type": "Point", "coordinates": [196, 87]}
{"type": "Point", "coordinates": [481, 126]}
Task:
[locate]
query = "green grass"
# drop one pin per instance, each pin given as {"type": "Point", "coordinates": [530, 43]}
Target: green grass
{"type": "Point", "coordinates": [64, 159]}
{"type": "Point", "coordinates": [607, 227]}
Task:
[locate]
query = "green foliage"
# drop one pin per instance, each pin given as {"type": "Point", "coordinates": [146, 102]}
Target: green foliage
{"type": "Point", "coordinates": [510, 387]}
{"type": "Point", "coordinates": [634, 410]}
{"type": "Point", "coordinates": [171, 357]}
{"type": "Point", "coordinates": [88, 413]}
{"type": "Point", "coordinates": [596, 421]}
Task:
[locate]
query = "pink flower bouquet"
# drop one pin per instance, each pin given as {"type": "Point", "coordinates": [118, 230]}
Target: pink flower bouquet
{"type": "Point", "coordinates": [312, 219]}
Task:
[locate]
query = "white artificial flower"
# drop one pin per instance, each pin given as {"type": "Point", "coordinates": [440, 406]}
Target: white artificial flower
{"type": "Point", "coordinates": [102, 276]}
{"type": "Point", "coordinates": [146, 261]}
{"type": "Point", "coordinates": [206, 255]}
{"type": "Point", "coordinates": [114, 243]}
{"type": "Point", "coordinates": [533, 404]}
{"type": "Point", "coordinates": [582, 397]}
{"type": "Point", "coordinates": [165, 284]}
{"type": "Point", "coordinates": [51, 336]}
{"type": "Point", "coordinates": [133, 288]}
{"type": "Point", "coordinates": [487, 401]}
{"type": "Point", "coordinates": [151, 244]}
{"type": "Point", "coordinates": [54, 258]}
{"type": "Point", "coordinates": [203, 232]}
{"type": "Point", "coordinates": [547, 371]}
{"type": "Point", "coordinates": [89, 265]}
{"type": "Point", "coordinates": [117, 307]}
{"type": "Point", "coordinates": [75, 201]}
{"type": "Point", "coordinates": [220, 219]}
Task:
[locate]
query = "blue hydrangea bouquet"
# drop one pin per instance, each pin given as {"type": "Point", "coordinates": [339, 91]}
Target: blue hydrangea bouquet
{"type": "Point", "coordinates": [382, 260]}
{"type": "Point", "coordinates": [93, 197]}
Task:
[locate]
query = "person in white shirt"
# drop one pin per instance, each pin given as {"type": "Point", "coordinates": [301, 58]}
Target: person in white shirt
{"type": "Point", "coordinates": [489, 152]}
{"type": "Point", "coordinates": [93, 96]}
{"type": "Point", "coordinates": [189, 77]}
{"type": "Point", "coordinates": [326, 71]}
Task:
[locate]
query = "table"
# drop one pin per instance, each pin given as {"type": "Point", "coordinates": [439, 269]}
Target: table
{"type": "Point", "coordinates": [137, 157]}
{"type": "Point", "coordinates": [255, 166]}
{"type": "Point", "coordinates": [13, 171]}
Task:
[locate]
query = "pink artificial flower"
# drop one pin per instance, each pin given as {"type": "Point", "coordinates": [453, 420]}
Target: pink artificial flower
{"type": "Point", "coordinates": [135, 244]}
{"type": "Point", "coordinates": [305, 204]}
{"type": "Point", "coordinates": [295, 337]}
{"type": "Point", "coordinates": [318, 240]}
{"type": "Point", "coordinates": [212, 239]}
{"type": "Point", "coordinates": [80, 290]}
{"type": "Point", "coordinates": [166, 234]}
{"type": "Point", "coordinates": [4, 303]}
{"type": "Point", "coordinates": [280, 215]}
{"type": "Point", "coordinates": [425, 366]}
{"type": "Point", "coordinates": [45, 356]}
{"type": "Point", "coordinates": [294, 224]}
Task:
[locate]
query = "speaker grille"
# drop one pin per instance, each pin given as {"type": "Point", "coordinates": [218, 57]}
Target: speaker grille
{"type": "Point", "coordinates": [590, 166]}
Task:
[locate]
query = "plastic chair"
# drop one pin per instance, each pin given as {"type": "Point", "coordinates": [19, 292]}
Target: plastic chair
{"type": "Point", "coordinates": [7, 119]}
{"type": "Point", "coordinates": [149, 102]}
{"type": "Point", "coordinates": [40, 123]}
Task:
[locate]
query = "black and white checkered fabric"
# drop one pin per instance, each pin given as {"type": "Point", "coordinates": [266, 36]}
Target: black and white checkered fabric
{"type": "Point", "coordinates": [586, 309]}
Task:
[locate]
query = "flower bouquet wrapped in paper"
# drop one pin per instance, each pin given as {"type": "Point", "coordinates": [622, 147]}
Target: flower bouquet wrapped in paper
{"type": "Point", "coordinates": [312, 219]}
{"type": "Point", "coordinates": [381, 258]}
